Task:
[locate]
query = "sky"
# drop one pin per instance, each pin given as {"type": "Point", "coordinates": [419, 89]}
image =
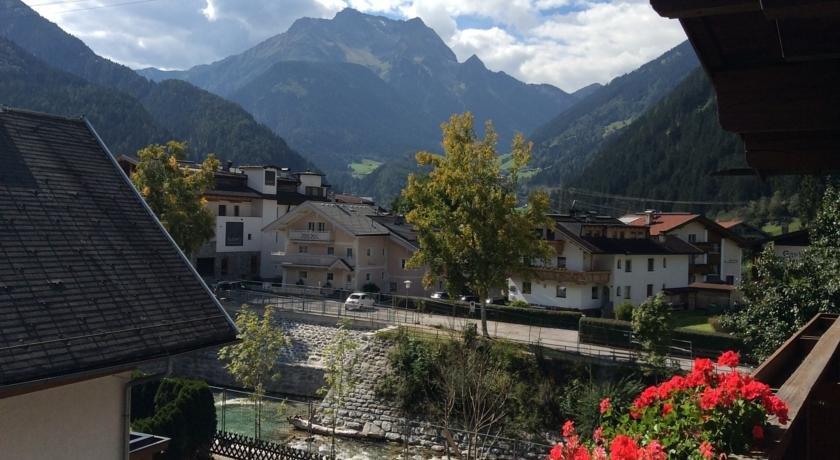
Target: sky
{"type": "Point", "coordinates": [567, 43]}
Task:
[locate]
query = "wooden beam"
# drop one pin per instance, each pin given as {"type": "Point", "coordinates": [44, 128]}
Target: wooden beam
{"type": "Point", "coordinates": [694, 8]}
{"type": "Point", "coordinates": [776, 9]}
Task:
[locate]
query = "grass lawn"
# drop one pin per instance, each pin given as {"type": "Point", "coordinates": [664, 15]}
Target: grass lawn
{"type": "Point", "coordinates": [691, 319]}
{"type": "Point", "coordinates": [776, 229]}
{"type": "Point", "coordinates": [364, 167]}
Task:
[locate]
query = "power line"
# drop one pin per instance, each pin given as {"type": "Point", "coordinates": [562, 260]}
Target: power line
{"type": "Point", "coordinates": [21, 12]}
{"type": "Point", "coordinates": [591, 194]}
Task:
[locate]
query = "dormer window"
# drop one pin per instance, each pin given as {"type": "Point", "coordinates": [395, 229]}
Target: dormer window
{"type": "Point", "coordinates": [270, 178]}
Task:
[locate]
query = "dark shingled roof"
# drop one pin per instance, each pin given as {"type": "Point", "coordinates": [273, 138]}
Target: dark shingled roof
{"type": "Point", "coordinates": [89, 281]}
{"type": "Point", "coordinates": [642, 246]}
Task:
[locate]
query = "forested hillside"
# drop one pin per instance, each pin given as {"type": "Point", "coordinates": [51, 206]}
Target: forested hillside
{"type": "Point", "coordinates": [209, 123]}
{"type": "Point", "coordinates": [121, 121]}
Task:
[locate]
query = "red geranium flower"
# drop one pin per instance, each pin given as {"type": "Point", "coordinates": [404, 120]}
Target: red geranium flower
{"type": "Point", "coordinates": [568, 429]}
{"type": "Point", "coordinates": [758, 433]}
{"type": "Point", "coordinates": [666, 409]}
{"type": "Point", "coordinates": [729, 359]}
{"type": "Point", "coordinates": [605, 405]}
{"type": "Point", "coordinates": [706, 450]}
{"type": "Point", "coordinates": [598, 434]}
{"type": "Point", "coordinates": [623, 448]}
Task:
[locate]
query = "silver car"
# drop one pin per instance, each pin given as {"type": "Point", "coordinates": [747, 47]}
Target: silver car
{"type": "Point", "coordinates": [358, 300]}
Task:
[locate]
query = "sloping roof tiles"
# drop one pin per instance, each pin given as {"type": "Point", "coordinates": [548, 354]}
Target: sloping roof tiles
{"type": "Point", "coordinates": [89, 280]}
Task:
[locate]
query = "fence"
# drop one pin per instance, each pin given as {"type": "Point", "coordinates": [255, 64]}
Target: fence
{"type": "Point", "coordinates": [247, 424]}
{"type": "Point", "coordinates": [243, 447]}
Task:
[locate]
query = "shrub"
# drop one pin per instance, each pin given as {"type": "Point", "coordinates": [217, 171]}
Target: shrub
{"type": "Point", "coordinates": [370, 287]}
{"type": "Point", "coordinates": [651, 323]}
{"type": "Point", "coordinates": [687, 417]}
{"type": "Point", "coordinates": [185, 412]}
{"type": "Point", "coordinates": [519, 304]}
{"type": "Point", "coordinates": [708, 344]}
{"type": "Point", "coordinates": [624, 311]}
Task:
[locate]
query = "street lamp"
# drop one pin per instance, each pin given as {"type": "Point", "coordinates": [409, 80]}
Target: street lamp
{"type": "Point", "coordinates": [407, 284]}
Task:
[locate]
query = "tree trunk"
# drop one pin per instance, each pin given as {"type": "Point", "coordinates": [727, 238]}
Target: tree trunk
{"type": "Point", "coordinates": [482, 296]}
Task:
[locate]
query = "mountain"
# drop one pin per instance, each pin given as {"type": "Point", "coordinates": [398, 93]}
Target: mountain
{"type": "Point", "coordinates": [121, 121]}
{"type": "Point", "coordinates": [307, 84]}
{"type": "Point", "coordinates": [587, 90]}
{"type": "Point", "coordinates": [670, 153]}
{"type": "Point", "coordinates": [209, 123]}
{"type": "Point", "coordinates": [564, 145]}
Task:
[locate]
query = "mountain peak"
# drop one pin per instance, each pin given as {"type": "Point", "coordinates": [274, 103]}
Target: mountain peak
{"type": "Point", "coordinates": [474, 61]}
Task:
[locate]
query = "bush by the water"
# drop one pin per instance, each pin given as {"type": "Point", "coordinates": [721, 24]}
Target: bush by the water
{"type": "Point", "coordinates": [560, 319]}
{"type": "Point", "coordinates": [181, 409]}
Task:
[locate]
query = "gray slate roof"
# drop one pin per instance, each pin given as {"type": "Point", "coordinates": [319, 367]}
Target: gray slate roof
{"type": "Point", "coordinates": [353, 217]}
{"type": "Point", "coordinates": [88, 278]}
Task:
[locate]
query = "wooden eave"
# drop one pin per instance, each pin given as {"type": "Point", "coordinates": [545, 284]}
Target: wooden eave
{"type": "Point", "coordinates": [775, 65]}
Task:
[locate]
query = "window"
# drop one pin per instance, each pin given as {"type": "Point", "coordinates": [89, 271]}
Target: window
{"type": "Point", "coordinates": [302, 275]}
{"type": "Point", "coordinates": [627, 266]}
{"type": "Point", "coordinates": [303, 249]}
{"type": "Point", "coordinates": [383, 251]}
{"type": "Point", "coordinates": [512, 289]}
{"type": "Point", "coordinates": [594, 292]}
{"type": "Point", "coordinates": [618, 291]}
{"type": "Point", "coordinates": [402, 263]}
{"type": "Point", "coordinates": [249, 237]}
{"type": "Point", "coordinates": [526, 287]}
{"type": "Point", "coordinates": [626, 292]}
{"type": "Point", "coordinates": [330, 251]}
{"type": "Point", "coordinates": [270, 178]}
{"type": "Point", "coordinates": [314, 191]}
{"type": "Point", "coordinates": [224, 267]}
{"type": "Point", "coordinates": [649, 290]}
{"type": "Point", "coordinates": [349, 253]}
{"type": "Point", "coordinates": [233, 233]}
{"type": "Point", "coordinates": [322, 226]}
{"type": "Point", "coordinates": [561, 262]}
{"type": "Point", "coordinates": [310, 226]}
{"type": "Point", "coordinates": [255, 264]}
{"type": "Point", "coordinates": [222, 210]}
{"type": "Point", "coordinates": [664, 262]}
{"type": "Point", "coordinates": [392, 287]}
{"type": "Point", "coordinates": [618, 264]}
{"type": "Point", "coordinates": [549, 234]}
{"type": "Point", "coordinates": [650, 264]}
{"type": "Point", "coordinates": [329, 276]}
{"type": "Point", "coordinates": [236, 210]}
{"type": "Point", "coordinates": [349, 278]}
{"type": "Point", "coordinates": [367, 276]}
{"type": "Point", "coordinates": [692, 238]}
{"type": "Point", "coordinates": [561, 292]}
{"type": "Point", "coordinates": [730, 279]}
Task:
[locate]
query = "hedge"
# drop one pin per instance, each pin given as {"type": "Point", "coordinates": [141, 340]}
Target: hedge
{"type": "Point", "coordinates": [708, 344]}
{"type": "Point", "coordinates": [616, 333]}
{"type": "Point", "coordinates": [184, 410]}
{"type": "Point", "coordinates": [560, 319]}
{"type": "Point", "coordinates": [603, 331]}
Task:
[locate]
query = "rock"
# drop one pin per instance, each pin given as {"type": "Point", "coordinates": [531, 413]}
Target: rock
{"type": "Point", "coordinates": [372, 431]}
{"type": "Point", "coordinates": [353, 425]}
{"type": "Point", "coordinates": [386, 426]}
{"type": "Point", "coordinates": [395, 437]}
{"type": "Point", "coordinates": [438, 448]}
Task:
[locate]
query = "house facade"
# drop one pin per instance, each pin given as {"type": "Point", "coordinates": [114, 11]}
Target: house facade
{"type": "Point", "coordinates": [346, 246]}
{"type": "Point", "coordinates": [599, 262]}
{"type": "Point", "coordinates": [722, 257]}
{"type": "Point", "coordinates": [91, 286]}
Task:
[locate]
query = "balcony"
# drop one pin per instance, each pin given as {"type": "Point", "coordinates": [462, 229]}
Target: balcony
{"type": "Point", "coordinates": [309, 235]}
{"type": "Point", "coordinates": [558, 245]}
{"type": "Point", "coordinates": [307, 260]}
{"type": "Point", "coordinates": [569, 276]}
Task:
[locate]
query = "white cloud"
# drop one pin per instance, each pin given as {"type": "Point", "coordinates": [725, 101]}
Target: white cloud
{"type": "Point", "coordinates": [568, 43]}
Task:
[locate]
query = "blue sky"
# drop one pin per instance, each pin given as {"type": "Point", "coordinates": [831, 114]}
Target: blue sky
{"type": "Point", "coordinates": [567, 43]}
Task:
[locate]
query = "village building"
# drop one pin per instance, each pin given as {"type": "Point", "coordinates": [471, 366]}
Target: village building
{"type": "Point", "coordinates": [91, 286]}
{"type": "Point", "coordinates": [600, 262]}
{"type": "Point", "coordinates": [346, 246]}
{"type": "Point", "coordinates": [722, 255]}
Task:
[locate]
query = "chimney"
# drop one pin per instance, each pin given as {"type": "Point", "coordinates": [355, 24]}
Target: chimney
{"type": "Point", "coordinates": [649, 217]}
{"type": "Point", "coordinates": [229, 166]}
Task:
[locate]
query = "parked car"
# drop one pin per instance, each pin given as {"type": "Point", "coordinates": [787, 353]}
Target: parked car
{"type": "Point", "coordinates": [440, 295]}
{"type": "Point", "coordinates": [358, 300]}
{"type": "Point", "coordinates": [496, 301]}
{"type": "Point", "coordinates": [469, 298]}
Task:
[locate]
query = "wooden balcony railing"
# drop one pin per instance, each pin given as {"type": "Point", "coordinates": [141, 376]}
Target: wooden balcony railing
{"type": "Point", "coordinates": [570, 276]}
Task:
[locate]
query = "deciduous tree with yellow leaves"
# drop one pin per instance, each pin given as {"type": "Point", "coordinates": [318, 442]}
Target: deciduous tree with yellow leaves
{"type": "Point", "coordinates": [472, 231]}
{"type": "Point", "coordinates": [175, 193]}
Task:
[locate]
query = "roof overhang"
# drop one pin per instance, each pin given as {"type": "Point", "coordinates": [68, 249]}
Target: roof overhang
{"type": "Point", "coordinates": [775, 65]}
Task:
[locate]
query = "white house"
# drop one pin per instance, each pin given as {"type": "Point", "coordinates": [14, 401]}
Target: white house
{"type": "Point", "coordinates": [600, 261]}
